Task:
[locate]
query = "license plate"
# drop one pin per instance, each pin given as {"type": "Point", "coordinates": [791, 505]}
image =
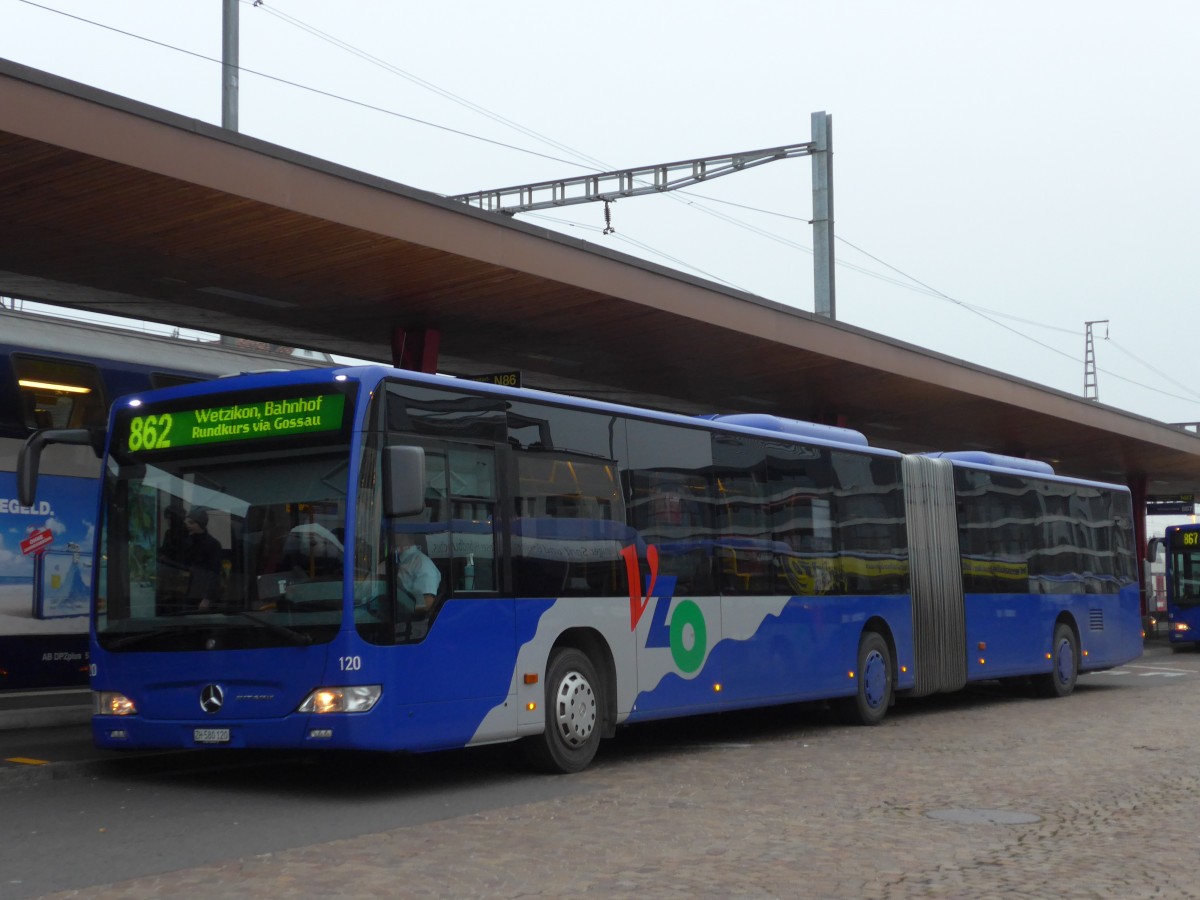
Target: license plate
{"type": "Point", "coordinates": [211, 735]}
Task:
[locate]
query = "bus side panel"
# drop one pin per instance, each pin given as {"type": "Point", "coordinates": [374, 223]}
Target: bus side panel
{"type": "Point", "coordinates": [572, 620]}
{"type": "Point", "coordinates": [450, 689]}
{"type": "Point", "coordinates": [1111, 634]}
{"type": "Point", "coordinates": [808, 650]}
{"type": "Point", "coordinates": [678, 671]}
{"type": "Point", "coordinates": [1011, 634]}
{"type": "Point", "coordinates": [442, 690]}
{"type": "Point", "coordinates": [773, 650]}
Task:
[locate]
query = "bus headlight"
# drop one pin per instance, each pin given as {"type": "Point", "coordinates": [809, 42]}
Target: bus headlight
{"type": "Point", "coordinates": [356, 699]}
{"type": "Point", "coordinates": [110, 703]}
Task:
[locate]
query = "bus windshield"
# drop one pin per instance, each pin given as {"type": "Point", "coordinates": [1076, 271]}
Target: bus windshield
{"type": "Point", "coordinates": [233, 545]}
{"type": "Point", "coordinates": [1184, 567]}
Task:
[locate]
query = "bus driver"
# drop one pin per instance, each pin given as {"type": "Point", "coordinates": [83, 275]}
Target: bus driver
{"type": "Point", "coordinates": [419, 578]}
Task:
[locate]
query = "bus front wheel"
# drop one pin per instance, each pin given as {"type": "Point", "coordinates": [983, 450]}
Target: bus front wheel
{"type": "Point", "coordinates": [873, 678]}
{"type": "Point", "coordinates": [1064, 663]}
{"type": "Point", "coordinates": [573, 708]}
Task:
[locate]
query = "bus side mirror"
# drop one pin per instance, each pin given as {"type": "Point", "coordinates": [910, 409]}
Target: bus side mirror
{"type": "Point", "coordinates": [30, 456]}
{"type": "Point", "coordinates": [403, 481]}
{"type": "Point", "coordinates": [1152, 549]}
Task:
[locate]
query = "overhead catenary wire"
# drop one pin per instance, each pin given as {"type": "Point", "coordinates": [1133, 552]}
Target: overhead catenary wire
{"type": "Point", "coordinates": [585, 161]}
{"type": "Point", "coordinates": [304, 87]}
{"type": "Point", "coordinates": [634, 242]}
{"type": "Point", "coordinates": [428, 85]}
{"type": "Point", "coordinates": [1161, 374]}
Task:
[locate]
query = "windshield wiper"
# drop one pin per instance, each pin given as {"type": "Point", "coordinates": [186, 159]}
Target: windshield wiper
{"type": "Point", "coordinates": [296, 637]}
{"type": "Point", "coordinates": [137, 637]}
{"type": "Point", "coordinates": [293, 636]}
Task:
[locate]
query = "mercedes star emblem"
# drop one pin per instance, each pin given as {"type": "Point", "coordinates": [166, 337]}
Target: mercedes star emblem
{"type": "Point", "coordinates": [211, 698]}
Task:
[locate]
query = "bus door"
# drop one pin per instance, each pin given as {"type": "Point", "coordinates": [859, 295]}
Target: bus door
{"type": "Point", "coordinates": [678, 607]}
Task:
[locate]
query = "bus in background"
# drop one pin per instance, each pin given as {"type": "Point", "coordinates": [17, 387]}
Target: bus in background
{"type": "Point", "coordinates": [1182, 545]}
{"type": "Point", "coordinates": [59, 373]}
{"type": "Point", "coordinates": [414, 562]}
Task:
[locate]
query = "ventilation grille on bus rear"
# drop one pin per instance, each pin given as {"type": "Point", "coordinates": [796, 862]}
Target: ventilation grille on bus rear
{"type": "Point", "coordinates": [1096, 619]}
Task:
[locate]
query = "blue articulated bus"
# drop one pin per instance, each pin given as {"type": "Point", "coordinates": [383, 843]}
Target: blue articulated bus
{"type": "Point", "coordinates": [415, 562]}
{"type": "Point", "coordinates": [56, 373]}
{"type": "Point", "coordinates": [1182, 544]}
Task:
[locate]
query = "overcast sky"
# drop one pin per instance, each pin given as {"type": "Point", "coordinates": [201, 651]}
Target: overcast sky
{"type": "Point", "coordinates": [1003, 172]}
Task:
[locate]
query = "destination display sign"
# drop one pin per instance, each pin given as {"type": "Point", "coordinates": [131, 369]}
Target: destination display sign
{"type": "Point", "coordinates": [1171, 505]}
{"type": "Point", "coordinates": [506, 379]}
{"type": "Point", "coordinates": [1185, 540]}
{"type": "Point", "coordinates": [236, 422]}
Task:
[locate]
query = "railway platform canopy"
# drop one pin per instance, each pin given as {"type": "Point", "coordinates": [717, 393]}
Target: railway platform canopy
{"type": "Point", "coordinates": [112, 206]}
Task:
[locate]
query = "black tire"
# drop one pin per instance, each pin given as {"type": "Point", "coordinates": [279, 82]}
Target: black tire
{"type": "Point", "coordinates": [573, 705]}
{"type": "Point", "coordinates": [873, 677]}
{"type": "Point", "coordinates": [1064, 661]}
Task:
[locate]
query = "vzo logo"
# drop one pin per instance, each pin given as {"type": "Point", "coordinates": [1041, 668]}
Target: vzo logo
{"type": "Point", "coordinates": [686, 634]}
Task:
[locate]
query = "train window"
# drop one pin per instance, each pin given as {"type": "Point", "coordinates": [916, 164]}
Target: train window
{"type": "Point", "coordinates": [59, 393]}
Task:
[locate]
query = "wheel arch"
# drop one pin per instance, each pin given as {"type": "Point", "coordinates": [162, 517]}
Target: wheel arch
{"type": "Point", "coordinates": [1066, 617]}
{"type": "Point", "coordinates": [879, 625]}
{"type": "Point", "coordinates": [592, 643]}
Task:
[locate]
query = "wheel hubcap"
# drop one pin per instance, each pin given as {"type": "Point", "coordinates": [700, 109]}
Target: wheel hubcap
{"type": "Point", "coordinates": [1066, 661]}
{"type": "Point", "coordinates": [874, 675]}
{"type": "Point", "coordinates": [576, 709]}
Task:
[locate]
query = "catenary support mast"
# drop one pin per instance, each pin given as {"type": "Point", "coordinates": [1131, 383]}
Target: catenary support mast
{"type": "Point", "coordinates": [229, 64]}
{"type": "Point", "coordinates": [607, 187]}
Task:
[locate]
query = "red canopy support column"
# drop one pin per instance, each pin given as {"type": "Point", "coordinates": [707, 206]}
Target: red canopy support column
{"type": "Point", "coordinates": [416, 348]}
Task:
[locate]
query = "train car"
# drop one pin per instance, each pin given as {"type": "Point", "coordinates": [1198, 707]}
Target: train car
{"type": "Point", "coordinates": [57, 372]}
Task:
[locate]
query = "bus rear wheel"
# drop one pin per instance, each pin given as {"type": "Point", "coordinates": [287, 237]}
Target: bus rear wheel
{"type": "Point", "coordinates": [1064, 661]}
{"type": "Point", "coordinates": [873, 679]}
{"type": "Point", "coordinates": [573, 708]}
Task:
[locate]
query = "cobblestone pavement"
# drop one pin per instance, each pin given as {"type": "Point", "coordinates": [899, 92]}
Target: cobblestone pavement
{"type": "Point", "coordinates": [988, 794]}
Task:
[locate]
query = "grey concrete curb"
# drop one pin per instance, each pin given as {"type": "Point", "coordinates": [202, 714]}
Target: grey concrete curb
{"type": "Point", "coordinates": [44, 717]}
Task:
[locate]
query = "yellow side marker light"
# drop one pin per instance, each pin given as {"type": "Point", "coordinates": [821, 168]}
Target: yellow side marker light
{"type": "Point", "coordinates": [26, 761]}
{"type": "Point", "coordinates": [982, 661]}
{"type": "Point", "coordinates": [531, 706]}
{"type": "Point", "coordinates": [531, 677]}
{"type": "Point", "coordinates": [717, 688]}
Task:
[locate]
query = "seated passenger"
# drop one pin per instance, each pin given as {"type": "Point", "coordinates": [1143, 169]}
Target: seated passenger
{"type": "Point", "coordinates": [314, 552]}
